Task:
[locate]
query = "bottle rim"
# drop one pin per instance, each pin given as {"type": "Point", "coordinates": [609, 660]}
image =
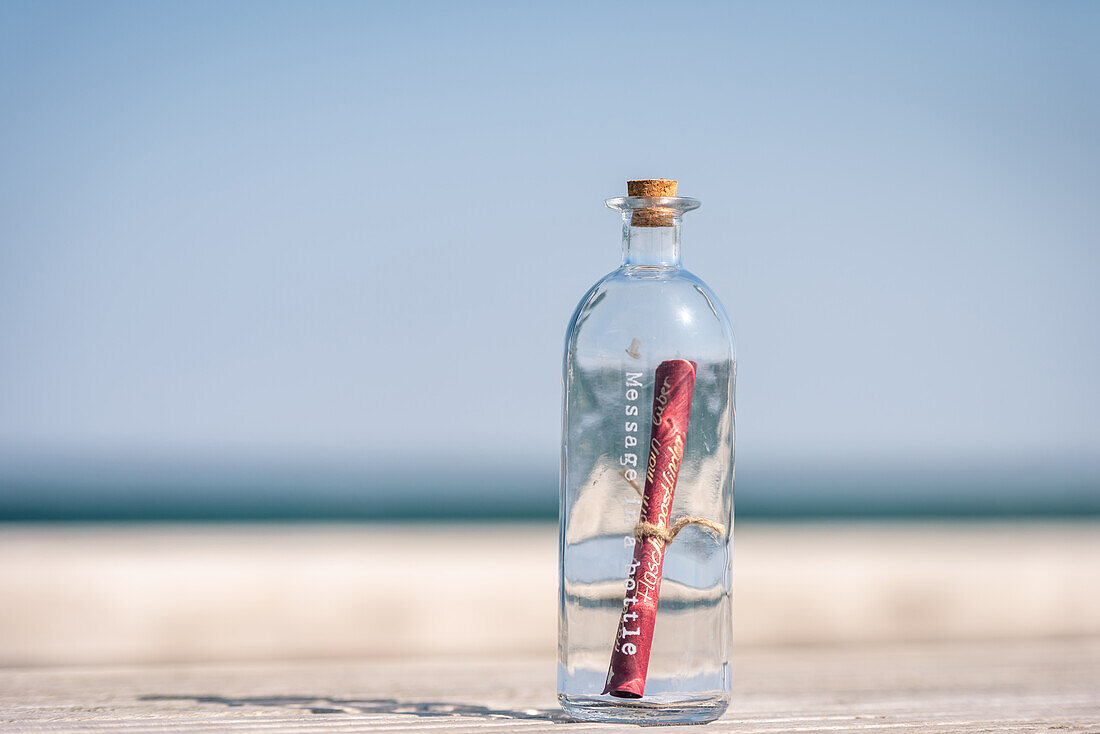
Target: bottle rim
{"type": "Point", "coordinates": [678, 204]}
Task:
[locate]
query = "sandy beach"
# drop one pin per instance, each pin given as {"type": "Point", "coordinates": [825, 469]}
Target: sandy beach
{"type": "Point", "coordinates": [132, 594]}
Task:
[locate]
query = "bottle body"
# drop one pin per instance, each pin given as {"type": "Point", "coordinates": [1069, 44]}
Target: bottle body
{"type": "Point", "coordinates": [633, 320]}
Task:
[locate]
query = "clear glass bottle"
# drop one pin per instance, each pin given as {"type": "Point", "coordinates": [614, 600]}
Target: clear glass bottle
{"type": "Point", "coordinates": [646, 312]}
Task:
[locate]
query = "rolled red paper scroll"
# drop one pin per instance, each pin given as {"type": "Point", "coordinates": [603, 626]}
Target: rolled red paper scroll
{"type": "Point", "coordinates": [673, 386]}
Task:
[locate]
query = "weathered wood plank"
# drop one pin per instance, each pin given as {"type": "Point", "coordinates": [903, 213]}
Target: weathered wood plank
{"type": "Point", "coordinates": [1017, 687]}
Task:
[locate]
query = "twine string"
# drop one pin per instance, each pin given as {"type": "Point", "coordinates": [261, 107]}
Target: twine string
{"type": "Point", "coordinates": [644, 530]}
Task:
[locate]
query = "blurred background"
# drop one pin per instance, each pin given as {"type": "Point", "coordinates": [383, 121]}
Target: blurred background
{"type": "Point", "coordinates": [283, 288]}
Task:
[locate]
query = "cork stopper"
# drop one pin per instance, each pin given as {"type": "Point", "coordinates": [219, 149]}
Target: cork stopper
{"type": "Point", "coordinates": [651, 216]}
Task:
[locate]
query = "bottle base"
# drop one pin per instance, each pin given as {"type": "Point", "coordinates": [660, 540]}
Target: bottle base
{"type": "Point", "coordinates": [652, 710]}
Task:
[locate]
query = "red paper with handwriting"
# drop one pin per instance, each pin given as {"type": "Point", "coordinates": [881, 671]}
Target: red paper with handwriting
{"type": "Point", "coordinates": [673, 386]}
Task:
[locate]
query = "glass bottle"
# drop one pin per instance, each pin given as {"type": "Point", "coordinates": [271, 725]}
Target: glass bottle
{"type": "Point", "coordinates": [649, 313]}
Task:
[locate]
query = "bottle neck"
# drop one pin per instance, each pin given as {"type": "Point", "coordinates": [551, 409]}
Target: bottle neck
{"type": "Point", "coordinates": [651, 247]}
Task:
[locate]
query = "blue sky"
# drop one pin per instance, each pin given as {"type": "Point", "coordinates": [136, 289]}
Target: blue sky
{"type": "Point", "coordinates": [355, 232]}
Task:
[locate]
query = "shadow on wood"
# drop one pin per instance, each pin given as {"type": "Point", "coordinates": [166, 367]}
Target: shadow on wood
{"type": "Point", "coordinates": [327, 705]}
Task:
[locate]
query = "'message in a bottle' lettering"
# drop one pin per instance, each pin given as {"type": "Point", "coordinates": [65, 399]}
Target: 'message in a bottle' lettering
{"type": "Point", "coordinates": [629, 459]}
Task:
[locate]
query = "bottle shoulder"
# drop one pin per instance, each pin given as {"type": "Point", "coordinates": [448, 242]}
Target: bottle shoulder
{"type": "Point", "coordinates": [667, 305]}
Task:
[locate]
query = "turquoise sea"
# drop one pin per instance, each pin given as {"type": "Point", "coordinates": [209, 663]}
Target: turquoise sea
{"type": "Point", "coordinates": [133, 490]}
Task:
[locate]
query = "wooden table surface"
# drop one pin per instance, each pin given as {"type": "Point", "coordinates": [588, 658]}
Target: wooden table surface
{"type": "Point", "coordinates": [1017, 686]}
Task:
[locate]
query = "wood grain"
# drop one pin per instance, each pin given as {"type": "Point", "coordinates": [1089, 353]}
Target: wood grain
{"type": "Point", "coordinates": [1018, 687]}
